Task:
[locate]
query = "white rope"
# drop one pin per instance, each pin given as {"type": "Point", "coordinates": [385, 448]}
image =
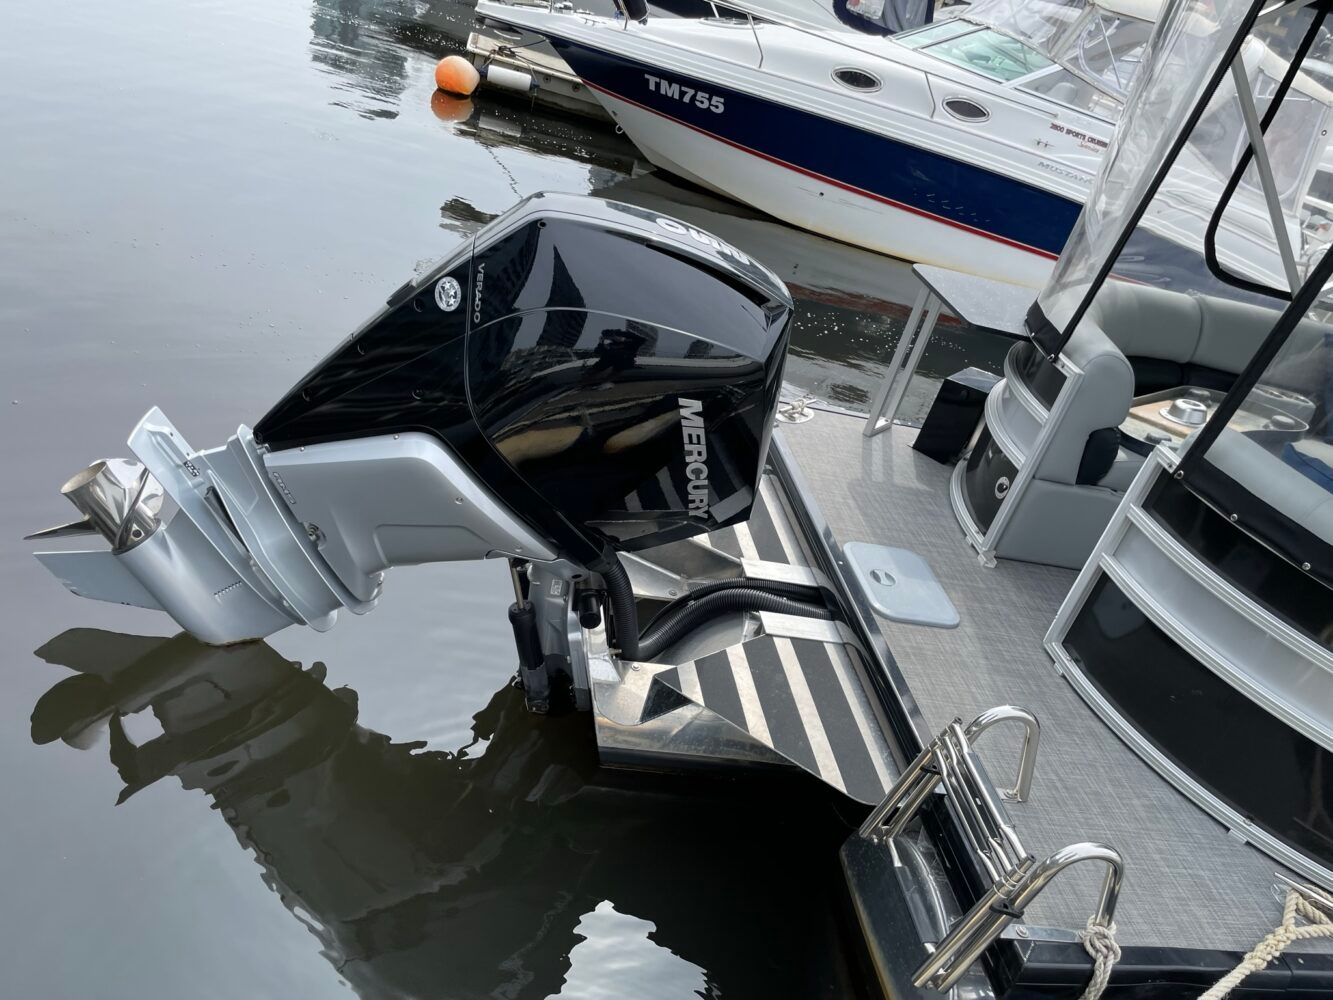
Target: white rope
{"type": "Point", "coordinates": [1272, 946]}
{"type": "Point", "coordinates": [1099, 942]}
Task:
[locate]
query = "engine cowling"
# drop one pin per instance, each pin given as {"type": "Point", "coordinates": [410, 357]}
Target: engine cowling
{"type": "Point", "coordinates": [609, 373]}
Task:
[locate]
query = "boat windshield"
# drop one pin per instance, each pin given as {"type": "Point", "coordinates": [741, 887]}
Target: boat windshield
{"type": "Point", "coordinates": [990, 53]}
{"type": "Point", "coordinates": [1078, 53]}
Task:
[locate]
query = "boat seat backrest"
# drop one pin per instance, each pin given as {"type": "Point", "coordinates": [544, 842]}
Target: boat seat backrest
{"type": "Point", "coordinates": [1233, 331]}
{"type": "Point", "coordinates": [1205, 333]}
{"type": "Point", "coordinates": [1230, 332]}
{"type": "Point", "coordinates": [1101, 399]}
{"type": "Point", "coordinates": [1147, 322]}
{"type": "Point", "coordinates": [1066, 92]}
{"type": "Point", "coordinates": [1195, 332]}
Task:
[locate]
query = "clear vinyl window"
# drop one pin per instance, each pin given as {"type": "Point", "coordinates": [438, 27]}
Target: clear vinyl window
{"type": "Point", "coordinates": [1199, 234]}
{"type": "Point", "coordinates": [1277, 445]}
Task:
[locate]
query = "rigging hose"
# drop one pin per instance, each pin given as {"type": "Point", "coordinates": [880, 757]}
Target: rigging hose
{"type": "Point", "coordinates": [796, 591]}
{"type": "Point", "coordinates": [696, 608]}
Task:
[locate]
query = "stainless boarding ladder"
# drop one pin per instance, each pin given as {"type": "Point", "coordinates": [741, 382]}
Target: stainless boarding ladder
{"type": "Point", "coordinates": [1017, 877]}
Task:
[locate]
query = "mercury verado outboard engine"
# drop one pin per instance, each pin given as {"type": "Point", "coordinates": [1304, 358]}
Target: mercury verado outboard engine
{"type": "Point", "coordinates": [581, 378]}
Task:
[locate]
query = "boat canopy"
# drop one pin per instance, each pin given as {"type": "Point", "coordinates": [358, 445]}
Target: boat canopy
{"type": "Point", "coordinates": [1186, 200]}
{"type": "Point", "coordinates": [1206, 191]}
{"type": "Point", "coordinates": [1082, 54]}
{"type": "Point", "coordinates": [884, 16]}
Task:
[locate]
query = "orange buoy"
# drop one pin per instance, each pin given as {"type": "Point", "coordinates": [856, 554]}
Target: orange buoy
{"type": "Point", "coordinates": [455, 75]}
{"type": "Point", "coordinates": [448, 108]}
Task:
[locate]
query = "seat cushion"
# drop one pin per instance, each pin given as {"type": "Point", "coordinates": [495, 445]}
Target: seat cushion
{"type": "Point", "coordinates": [1156, 374]}
{"type": "Point", "coordinates": [1230, 332]}
{"type": "Point", "coordinates": [1146, 322]}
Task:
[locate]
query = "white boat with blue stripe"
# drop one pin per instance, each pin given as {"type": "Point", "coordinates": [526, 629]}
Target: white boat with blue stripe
{"type": "Point", "coordinates": [969, 142]}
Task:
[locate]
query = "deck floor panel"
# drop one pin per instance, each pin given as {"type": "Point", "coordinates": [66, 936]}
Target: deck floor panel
{"type": "Point", "coordinates": [1189, 882]}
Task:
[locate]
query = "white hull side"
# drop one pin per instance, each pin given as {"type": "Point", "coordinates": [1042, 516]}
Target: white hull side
{"type": "Point", "coordinates": [821, 207]}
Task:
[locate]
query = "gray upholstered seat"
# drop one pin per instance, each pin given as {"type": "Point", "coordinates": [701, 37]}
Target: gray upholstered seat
{"type": "Point", "coordinates": [1103, 398]}
{"type": "Point", "coordinates": [1128, 329]}
{"type": "Point", "coordinates": [1198, 332]}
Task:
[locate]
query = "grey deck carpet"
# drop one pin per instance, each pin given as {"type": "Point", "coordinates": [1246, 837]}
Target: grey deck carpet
{"type": "Point", "coordinates": [1189, 882]}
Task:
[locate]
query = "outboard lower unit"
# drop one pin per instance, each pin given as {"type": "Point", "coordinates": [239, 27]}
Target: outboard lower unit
{"type": "Point", "coordinates": [579, 379]}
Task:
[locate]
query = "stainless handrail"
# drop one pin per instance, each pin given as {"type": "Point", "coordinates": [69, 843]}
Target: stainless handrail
{"type": "Point", "coordinates": [974, 932]}
{"type": "Point", "coordinates": [981, 830]}
{"type": "Point", "coordinates": [756, 15]}
{"type": "Point", "coordinates": [1005, 902]}
{"type": "Point", "coordinates": [1107, 898]}
{"type": "Point", "coordinates": [846, 37]}
{"type": "Point", "coordinates": [947, 760]}
{"type": "Point", "coordinates": [1001, 828]}
{"type": "Point", "coordinates": [948, 763]}
{"type": "Point", "coordinates": [1027, 761]}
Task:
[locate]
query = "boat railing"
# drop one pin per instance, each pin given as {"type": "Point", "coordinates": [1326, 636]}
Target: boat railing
{"type": "Point", "coordinates": [754, 17]}
{"type": "Point", "coordinates": [1017, 878]}
{"type": "Point", "coordinates": [838, 35]}
{"type": "Point", "coordinates": [845, 37]}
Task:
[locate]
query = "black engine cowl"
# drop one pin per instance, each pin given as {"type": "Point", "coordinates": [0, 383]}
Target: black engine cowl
{"type": "Point", "coordinates": [611, 374]}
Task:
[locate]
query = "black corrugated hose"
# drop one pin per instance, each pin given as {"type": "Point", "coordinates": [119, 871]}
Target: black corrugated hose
{"type": "Point", "coordinates": [697, 607]}
{"type": "Point", "coordinates": [796, 591]}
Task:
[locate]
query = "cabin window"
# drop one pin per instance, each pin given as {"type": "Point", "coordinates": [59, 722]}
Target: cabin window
{"type": "Point", "coordinates": [933, 33]}
{"type": "Point", "coordinates": [965, 110]}
{"type": "Point", "coordinates": [855, 79]}
{"type": "Point", "coordinates": [1060, 85]}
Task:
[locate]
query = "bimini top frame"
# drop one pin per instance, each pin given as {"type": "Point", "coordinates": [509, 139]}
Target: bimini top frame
{"type": "Point", "coordinates": [1245, 502]}
{"type": "Point", "coordinates": [1211, 63]}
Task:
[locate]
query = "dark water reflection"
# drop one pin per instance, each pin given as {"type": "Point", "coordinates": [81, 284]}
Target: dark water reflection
{"type": "Point", "coordinates": [197, 200]}
{"type": "Point", "coordinates": [481, 872]}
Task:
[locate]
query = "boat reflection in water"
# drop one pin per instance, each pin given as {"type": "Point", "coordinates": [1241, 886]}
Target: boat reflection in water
{"type": "Point", "coordinates": [430, 873]}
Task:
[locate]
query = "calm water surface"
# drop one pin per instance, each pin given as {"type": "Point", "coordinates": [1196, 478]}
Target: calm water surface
{"type": "Point", "coordinates": [196, 201]}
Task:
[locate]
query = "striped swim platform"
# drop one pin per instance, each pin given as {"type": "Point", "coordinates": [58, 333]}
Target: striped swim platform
{"type": "Point", "coordinates": [795, 686]}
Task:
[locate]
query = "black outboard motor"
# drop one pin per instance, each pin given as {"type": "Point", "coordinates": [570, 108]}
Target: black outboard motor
{"type": "Point", "coordinates": [582, 377]}
{"type": "Point", "coordinates": [606, 372]}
